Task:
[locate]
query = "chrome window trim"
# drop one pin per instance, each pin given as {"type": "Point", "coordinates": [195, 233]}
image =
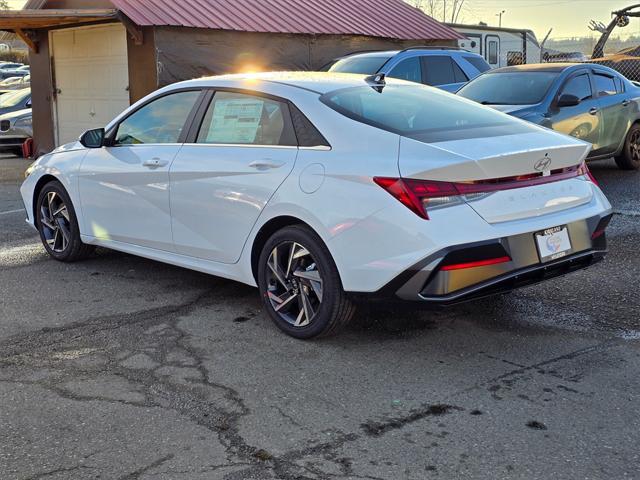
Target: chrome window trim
{"type": "Point", "coordinates": [246, 145]}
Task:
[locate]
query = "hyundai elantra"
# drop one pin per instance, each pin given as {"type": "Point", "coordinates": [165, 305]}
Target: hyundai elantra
{"type": "Point", "coordinates": [321, 188]}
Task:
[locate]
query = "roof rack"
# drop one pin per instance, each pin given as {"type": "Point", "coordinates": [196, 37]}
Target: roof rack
{"type": "Point", "coordinates": [432, 47]}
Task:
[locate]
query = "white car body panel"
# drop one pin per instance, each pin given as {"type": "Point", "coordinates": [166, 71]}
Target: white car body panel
{"type": "Point", "coordinates": [228, 186]}
{"type": "Point", "coordinates": [125, 201]}
{"type": "Point", "coordinates": [213, 204]}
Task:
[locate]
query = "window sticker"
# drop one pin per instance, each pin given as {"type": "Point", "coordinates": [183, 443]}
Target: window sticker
{"type": "Point", "coordinates": [235, 120]}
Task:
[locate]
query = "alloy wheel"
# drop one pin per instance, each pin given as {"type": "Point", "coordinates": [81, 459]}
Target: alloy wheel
{"type": "Point", "coordinates": [294, 283]}
{"type": "Point", "coordinates": [634, 145]}
{"type": "Point", "coordinates": [55, 221]}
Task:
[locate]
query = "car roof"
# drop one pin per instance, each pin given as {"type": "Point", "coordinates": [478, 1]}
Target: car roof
{"type": "Point", "coordinates": [549, 67]}
{"type": "Point", "coordinates": [422, 50]}
{"type": "Point", "coordinates": [317, 82]}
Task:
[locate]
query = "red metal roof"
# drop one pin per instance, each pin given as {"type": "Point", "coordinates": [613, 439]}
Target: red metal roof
{"type": "Point", "coordinates": [375, 18]}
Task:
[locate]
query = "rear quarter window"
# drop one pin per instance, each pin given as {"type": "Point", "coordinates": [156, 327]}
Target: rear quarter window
{"type": "Point", "coordinates": [478, 62]}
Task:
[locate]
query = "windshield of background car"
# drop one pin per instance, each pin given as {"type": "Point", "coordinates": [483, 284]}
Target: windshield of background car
{"type": "Point", "coordinates": [363, 65]}
{"type": "Point", "coordinates": [509, 88]}
{"type": "Point", "coordinates": [14, 98]}
{"type": "Point", "coordinates": [422, 113]}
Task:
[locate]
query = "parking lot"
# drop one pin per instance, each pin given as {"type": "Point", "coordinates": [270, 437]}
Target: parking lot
{"type": "Point", "coordinates": [124, 368]}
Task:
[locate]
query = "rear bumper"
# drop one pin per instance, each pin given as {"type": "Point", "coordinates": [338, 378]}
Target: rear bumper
{"type": "Point", "coordinates": [519, 278]}
{"type": "Point", "coordinates": [428, 282]}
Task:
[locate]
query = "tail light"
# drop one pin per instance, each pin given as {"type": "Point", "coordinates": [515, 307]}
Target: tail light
{"type": "Point", "coordinates": [583, 170]}
{"type": "Point", "coordinates": [477, 263]}
{"type": "Point", "coordinates": [418, 195]}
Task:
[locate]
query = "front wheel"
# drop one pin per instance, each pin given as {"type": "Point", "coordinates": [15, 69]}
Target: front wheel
{"type": "Point", "coordinates": [300, 284]}
{"type": "Point", "coordinates": [629, 159]}
{"type": "Point", "coordinates": [58, 226]}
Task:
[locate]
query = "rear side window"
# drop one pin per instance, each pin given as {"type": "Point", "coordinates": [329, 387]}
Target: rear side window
{"type": "Point", "coordinates": [422, 113]}
{"type": "Point", "coordinates": [308, 135]}
{"type": "Point", "coordinates": [478, 62]}
{"type": "Point", "coordinates": [458, 74]}
{"type": "Point", "coordinates": [237, 118]}
{"type": "Point", "coordinates": [605, 85]}
{"type": "Point", "coordinates": [579, 86]}
{"type": "Point", "coordinates": [619, 85]}
{"type": "Point", "coordinates": [408, 69]}
{"type": "Point", "coordinates": [160, 121]}
{"type": "Point", "coordinates": [439, 70]}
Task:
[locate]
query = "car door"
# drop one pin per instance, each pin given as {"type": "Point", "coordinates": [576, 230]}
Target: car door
{"type": "Point", "coordinates": [614, 112]}
{"type": "Point", "coordinates": [582, 121]}
{"type": "Point", "coordinates": [224, 176]}
{"type": "Point", "coordinates": [124, 188]}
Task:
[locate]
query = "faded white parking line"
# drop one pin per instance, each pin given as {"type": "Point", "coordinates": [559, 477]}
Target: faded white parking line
{"type": "Point", "coordinates": [9, 212]}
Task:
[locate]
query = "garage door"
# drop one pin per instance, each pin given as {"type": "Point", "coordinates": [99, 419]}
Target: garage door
{"type": "Point", "coordinates": [91, 77]}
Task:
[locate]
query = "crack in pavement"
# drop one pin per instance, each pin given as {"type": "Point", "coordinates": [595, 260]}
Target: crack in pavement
{"type": "Point", "coordinates": [141, 471]}
{"type": "Point", "coordinates": [181, 386]}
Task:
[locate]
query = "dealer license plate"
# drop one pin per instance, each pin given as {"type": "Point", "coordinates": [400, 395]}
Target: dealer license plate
{"type": "Point", "coordinates": [553, 243]}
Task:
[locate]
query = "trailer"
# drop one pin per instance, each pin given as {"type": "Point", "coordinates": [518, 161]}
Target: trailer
{"type": "Point", "coordinates": [500, 47]}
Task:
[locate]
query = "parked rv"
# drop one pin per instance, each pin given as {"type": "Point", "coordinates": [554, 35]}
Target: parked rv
{"type": "Point", "coordinates": [500, 47]}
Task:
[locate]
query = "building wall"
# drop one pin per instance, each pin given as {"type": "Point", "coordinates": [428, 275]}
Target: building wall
{"type": "Point", "coordinates": [186, 53]}
{"type": "Point", "coordinates": [143, 74]}
{"type": "Point", "coordinates": [142, 81]}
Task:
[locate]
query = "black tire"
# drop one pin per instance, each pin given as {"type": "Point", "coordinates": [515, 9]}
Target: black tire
{"type": "Point", "coordinates": [629, 158]}
{"type": "Point", "coordinates": [65, 245]}
{"type": "Point", "coordinates": [334, 309]}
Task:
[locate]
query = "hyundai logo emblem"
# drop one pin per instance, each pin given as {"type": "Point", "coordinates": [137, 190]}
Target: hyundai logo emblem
{"type": "Point", "coordinates": [542, 164]}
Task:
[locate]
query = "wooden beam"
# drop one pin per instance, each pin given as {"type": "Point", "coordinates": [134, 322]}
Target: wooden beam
{"type": "Point", "coordinates": [34, 19]}
{"type": "Point", "coordinates": [132, 28]}
{"type": "Point", "coordinates": [33, 46]}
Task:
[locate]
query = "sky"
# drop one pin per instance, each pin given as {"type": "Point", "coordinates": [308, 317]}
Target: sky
{"type": "Point", "coordinates": [568, 18]}
{"type": "Point", "coordinates": [16, 4]}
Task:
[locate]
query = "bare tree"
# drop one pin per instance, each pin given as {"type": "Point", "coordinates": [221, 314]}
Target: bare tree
{"type": "Point", "coordinates": [4, 5]}
{"type": "Point", "coordinates": [445, 10]}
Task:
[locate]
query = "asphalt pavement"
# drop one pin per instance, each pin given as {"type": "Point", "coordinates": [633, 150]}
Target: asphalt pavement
{"type": "Point", "coordinates": [124, 368]}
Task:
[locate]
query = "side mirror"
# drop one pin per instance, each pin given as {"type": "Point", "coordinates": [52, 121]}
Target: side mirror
{"type": "Point", "coordinates": [567, 100]}
{"type": "Point", "coordinates": [93, 138]}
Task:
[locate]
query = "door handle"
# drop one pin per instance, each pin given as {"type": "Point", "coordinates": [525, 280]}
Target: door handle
{"type": "Point", "coordinates": [626, 102]}
{"type": "Point", "coordinates": [155, 163]}
{"type": "Point", "coordinates": [265, 164]}
{"type": "Point", "coordinates": [593, 111]}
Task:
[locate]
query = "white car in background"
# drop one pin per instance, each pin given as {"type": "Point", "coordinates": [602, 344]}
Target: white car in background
{"type": "Point", "coordinates": [319, 188]}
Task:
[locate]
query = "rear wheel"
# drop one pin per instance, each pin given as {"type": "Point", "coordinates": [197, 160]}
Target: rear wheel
{"type": "Point", "coordinates": [58, 226]}
{"type": "Point", "coordinates": [300, 285]}
{"type": "Point", "coordinates": [629, 159]}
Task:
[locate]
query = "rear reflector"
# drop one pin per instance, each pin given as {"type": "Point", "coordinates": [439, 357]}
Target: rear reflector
{"type": "Point", "coordinates": [418, 195]}
{"type": "Point", "coordinates": [479, 263]}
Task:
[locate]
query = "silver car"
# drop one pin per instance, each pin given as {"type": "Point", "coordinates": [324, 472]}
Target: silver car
{"type": "Point", "coordinates": [15, 129]}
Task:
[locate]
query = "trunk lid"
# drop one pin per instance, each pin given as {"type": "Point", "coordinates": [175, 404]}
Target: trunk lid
{"type": "Point", "coordinates": [475, 159]}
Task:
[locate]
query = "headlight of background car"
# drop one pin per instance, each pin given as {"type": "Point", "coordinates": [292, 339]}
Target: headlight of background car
{"type": "Point", "coordinates": [29, 169]}
{"type": "Point", "coordinates": [23, 123]}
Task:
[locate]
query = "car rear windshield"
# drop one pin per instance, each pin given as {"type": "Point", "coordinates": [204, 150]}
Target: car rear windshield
{"type": "Point", "coordinates": [422, 113]}
{"type": "Point", "coordinates": [364, 65]}
{"type": "Point", "coordinates": [509, 88]}
{"type": "Point", "coordinates": [12, 99]}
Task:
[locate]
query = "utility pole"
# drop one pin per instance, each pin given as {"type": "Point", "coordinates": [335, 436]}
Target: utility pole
{"type": "Point", "coordinates": [499, 15]}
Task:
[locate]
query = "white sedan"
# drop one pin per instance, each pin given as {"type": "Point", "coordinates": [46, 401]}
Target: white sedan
{"type": "Point", "coordinates": [321, 188]}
